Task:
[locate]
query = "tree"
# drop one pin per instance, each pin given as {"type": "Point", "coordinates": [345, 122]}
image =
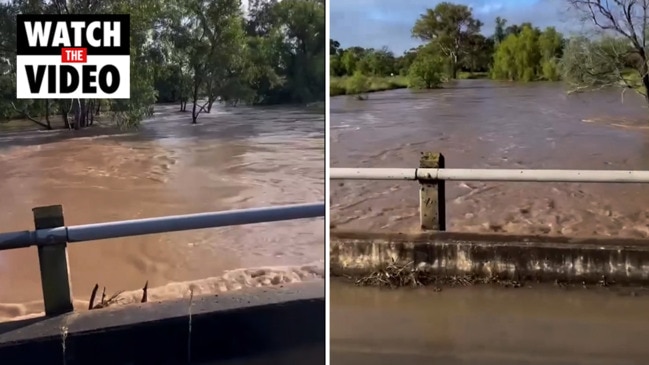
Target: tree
{"type": "Point", "coordinates": [83, 111]}
{"type": "Point", "coordinates": [504, 64]}
{"type": "Point", "coordinates": [593, 64]}
{"type": "Point", "coordinates": [551, 49]}
{"type": "Point", "coordinates": [514, 29]}
{"type": "Point", "coordinates": [427, 70]}
{"type": "Point", "coordinates": [304, 24]}
{"type": "Point", "coordinates": [451, 26]}
{"type": "Point", "coordinates": [125, 112]}
{"type": "Point", "coordinates": [381, 62]}
{"type": "Point", "coordinates": [358, 84]}
{"type": "Point", "coordinates": [217, 48]}
{"type": "Point", "coordinates": [499, 33]}
{"type": "Point", "coordinates": [146, 20]}
{"type": "Point", "coordinates": [334, 47]}
{"type": "Point", "coordinates": [348, 62]}
{"type": "Point", "coordinates": [625, 22]}
{"type": "Point", "coordinates": [196, 50]}
{"type": "Point", "coordinates": [479, 51]}
{"type": "Point", "coordinates": [403, 63]}
{"type": "Point", "coordinates": [529, 55]}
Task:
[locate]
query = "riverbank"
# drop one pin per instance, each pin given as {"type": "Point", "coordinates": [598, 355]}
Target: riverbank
{"type": "Point", "coordinates": [340, 85]}
{"type": "Point", "coordinates": [19, 123]}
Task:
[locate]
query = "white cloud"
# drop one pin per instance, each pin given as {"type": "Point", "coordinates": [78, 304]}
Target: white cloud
{"type": "Point", "coordinates": [354, 22]}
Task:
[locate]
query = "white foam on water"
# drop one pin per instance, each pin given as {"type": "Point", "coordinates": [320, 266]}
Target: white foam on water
{"type": "Point", "coordinates": [230, 281]}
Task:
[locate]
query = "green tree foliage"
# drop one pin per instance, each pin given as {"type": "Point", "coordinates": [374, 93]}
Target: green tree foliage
{"type": "Point", "coordinates": [349, 60]}
{"type": "Point", "coordinates": [403, 63]}
{"type": "Point", "coordinates": [358, 83]}
{"type": "Point", "coordinates": [529, 55]}
{"type": "Point", "coordinates": [380, 62]}
{"type": "Point", "coordinates": [478, 53]}
{"type": "Point", "coordinates": [451, 26]}
{"type": "Point", "coordinates": [303, 22]}
{"type": "Point", "coordinates": [452, 39]}
{"type": "Point", "coordinates": [499, 32]}
{"type": "Point", "coordinates": [551, 45]}
{"type": "Point", "coordinates": [196, 51]}
{"type": "Point", "coordinates": [427, 69]}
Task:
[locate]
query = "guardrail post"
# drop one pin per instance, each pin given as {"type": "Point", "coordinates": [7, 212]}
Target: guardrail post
{"type": "Point", "coordinates": [53, 260]}
{"type": "Point", "coordinates": [432, 195]}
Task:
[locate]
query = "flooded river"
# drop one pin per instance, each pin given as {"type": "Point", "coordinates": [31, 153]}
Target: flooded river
{"type": "Point", "coordinates": [487, 326]}
{"type": "Point", "coordinates": [485, 124]}
{"type": "Point", "coordinates": [234, 158]}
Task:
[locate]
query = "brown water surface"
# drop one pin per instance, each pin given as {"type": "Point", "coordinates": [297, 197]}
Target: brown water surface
{"type": "Point", "coordinates": [234, 158]}
{"type": "Point", "coordinates": [487, 326]}
{"type": "Point", "coordinates": [486, 124]}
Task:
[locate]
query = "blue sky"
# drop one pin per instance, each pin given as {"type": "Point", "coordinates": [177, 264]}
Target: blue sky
{"type": "Point", "coordinates": [378, 23]}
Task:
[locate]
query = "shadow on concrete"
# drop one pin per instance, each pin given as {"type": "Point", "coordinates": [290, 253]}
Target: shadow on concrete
{"type": "Point", "coordinates": [8, 327]}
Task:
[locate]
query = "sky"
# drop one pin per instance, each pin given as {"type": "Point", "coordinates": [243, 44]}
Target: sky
{"type": "Point", "coordinates": [378, 23]}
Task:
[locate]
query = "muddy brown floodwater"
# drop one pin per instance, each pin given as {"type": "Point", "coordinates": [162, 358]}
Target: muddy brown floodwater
{"type": "Point", "coordinates": [485, 124]}
{"type": "Point", "coordinates": [234, 158]}
{"type": "Point", "coordinates": [487, 326]}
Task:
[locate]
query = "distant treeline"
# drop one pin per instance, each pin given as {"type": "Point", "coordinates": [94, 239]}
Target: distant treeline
{"type": "Point", "coordinates": [454, 45]}
{"type": "Point", "coordinates": [190, 51]}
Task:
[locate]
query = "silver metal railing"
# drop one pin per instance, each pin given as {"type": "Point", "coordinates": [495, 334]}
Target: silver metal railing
{"type": "Point", "coordinates": [51, 237]}
{"type": "Point", "coordinates": [432, 175]}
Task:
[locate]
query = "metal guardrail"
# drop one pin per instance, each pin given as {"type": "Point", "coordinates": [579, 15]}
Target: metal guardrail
{"type": "Point", "coordinates": [580, 176]}
{"type": "Point", "coordinates": [431, 174]}
{"type": "Point", "coordinates": [51, 237]}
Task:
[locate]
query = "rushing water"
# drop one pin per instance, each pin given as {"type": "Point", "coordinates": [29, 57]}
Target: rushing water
{"type": "Point", "coordinates": [487, 326]}
{"type": "Point", "coordinates": [234, 158]}
{"type": "Point", "coordinates": [485, 124]}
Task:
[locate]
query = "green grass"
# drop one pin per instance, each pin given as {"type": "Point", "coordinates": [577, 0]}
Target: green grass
{"type": "Point", "coordinates": [339, 85]}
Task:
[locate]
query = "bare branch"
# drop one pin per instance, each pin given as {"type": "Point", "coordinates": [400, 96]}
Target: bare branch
{"type": "Point", "coordinates": [24, 113]}
{"type": "Point", "coordinates": [604, 62]}
{"type": "Point", "coordinates": [601, 14]}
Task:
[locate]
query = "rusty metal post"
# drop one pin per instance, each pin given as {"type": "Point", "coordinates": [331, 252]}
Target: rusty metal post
{"type": "Point", "coordinates": [432, 195]}
{"type": "Point", "coordinates": [53, 260]}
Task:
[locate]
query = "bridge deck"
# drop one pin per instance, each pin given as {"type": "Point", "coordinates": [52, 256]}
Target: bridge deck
{"type": "Point", "coordinates": [247, 323]}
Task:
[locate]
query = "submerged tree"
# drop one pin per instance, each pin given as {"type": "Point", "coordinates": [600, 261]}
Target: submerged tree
{"type": "Point", "coordinates": [358, 85]}
{"type": "Point", "coordinates": [451, 26]}
{"type": "Point", "coordinates": [427, 69]}
{"type": "Point", "coordinates": [529, 55]}
{"type": "Point", "coordinates": [195, 51]}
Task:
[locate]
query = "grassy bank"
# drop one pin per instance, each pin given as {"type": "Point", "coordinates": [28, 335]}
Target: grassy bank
{"type": "Point", "coordinates": [340, 85]}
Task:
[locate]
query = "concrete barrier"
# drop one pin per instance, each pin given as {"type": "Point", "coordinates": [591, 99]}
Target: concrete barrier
{"type": "Point", "coordinates": [513, 257]}
{"type": "Point", "coordinates": [243, 327]}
